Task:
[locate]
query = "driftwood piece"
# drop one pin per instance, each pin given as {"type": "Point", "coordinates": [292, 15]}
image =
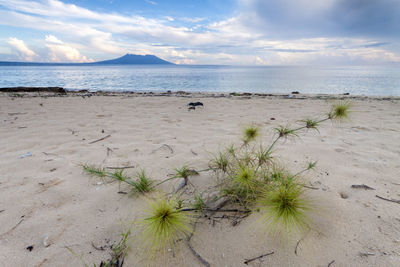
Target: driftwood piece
{"type": "Point", "coordinates": [258, 257]}
{"type": "Point", "coordinates": [331, 263]}
{"type": "Point", "coordinates": [362, 186]}
{"type": "Point", "coordinates": [387, 199]}
{"type": "Point", "coordinates": [101, 139]}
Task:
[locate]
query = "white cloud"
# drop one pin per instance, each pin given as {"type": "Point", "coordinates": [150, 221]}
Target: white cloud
{"type": "Point", "coordinates": [60, 52]}
{"type": "Point", "coordinates": [23, 51]}
{"type": "Point", "coordinates": [53, 39]}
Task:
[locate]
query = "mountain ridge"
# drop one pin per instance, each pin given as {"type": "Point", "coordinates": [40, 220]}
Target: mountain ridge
{"type": "Point", "coordinates": [127, 59]}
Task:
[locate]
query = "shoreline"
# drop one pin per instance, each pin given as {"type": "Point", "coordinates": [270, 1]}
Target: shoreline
{"type": "Point", "coordinates": [62, 92]}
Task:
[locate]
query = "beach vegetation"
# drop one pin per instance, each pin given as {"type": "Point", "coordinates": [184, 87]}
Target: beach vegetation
{"type": "Point", "coordinates": [164, 223]}
{"type": "Point", "coordinates": [249, 177]}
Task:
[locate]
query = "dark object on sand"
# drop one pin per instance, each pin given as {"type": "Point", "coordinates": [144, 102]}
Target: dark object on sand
{"type": "Point", "coordinates": [195, 104]}
{"type": "Point", "coordinates": [59, 90]}
{"type": "Point", "coordinates": [272, 119]}
{"type": "Point", "coordinates": [295, 92]}
{"type": "Point", "coordinates": [30, 248]}
{"type": "Point", "coordinates": [362, 186]}
{"type": "Point", "coordinates": [191, 108]}
{"type": "Point", "coordinates": [346, 94]}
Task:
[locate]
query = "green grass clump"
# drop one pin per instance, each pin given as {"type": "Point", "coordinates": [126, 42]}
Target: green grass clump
{"type": "Point", "coordinates": [184, 172]}
{"type": "Point", "coordinates": [163, 225]}
{"type": "Point", "coordinates": [143, 183]}
{"type": "Point", "coordinates": [220, 162]}
{"type": "Point", "coordinates": [285, 208]}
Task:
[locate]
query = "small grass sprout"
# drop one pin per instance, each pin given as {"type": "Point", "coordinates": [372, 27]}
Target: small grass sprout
{"type": "Point", "coordinates": [250, 133]}
{"type": "Point", "coordinates": [120, 176]}
{"type": "Point", "coordinates": [199, 204]}
{"type": "Point", "coordinates": [311, 165]}
{"type": "Point", "coordinates": [94, 171]}
{"type": "Point", "coordinates": [285, 208]}
{"type": "Point", "coordinates": [163, 225]}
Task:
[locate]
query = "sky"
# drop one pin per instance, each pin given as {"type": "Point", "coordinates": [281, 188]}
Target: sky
{"type": "Point", "coordinates": [223, 32]}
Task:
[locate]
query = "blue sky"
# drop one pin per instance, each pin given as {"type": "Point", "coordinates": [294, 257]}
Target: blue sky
{"type": "Point", "coordinates": [235, 32]}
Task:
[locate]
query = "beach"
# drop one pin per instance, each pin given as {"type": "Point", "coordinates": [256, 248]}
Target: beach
{"type": "Point", "coordinates": [47, 202]}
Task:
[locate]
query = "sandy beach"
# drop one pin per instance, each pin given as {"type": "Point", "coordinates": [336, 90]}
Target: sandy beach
{"type": "Point", "coordinates": [47, 202]}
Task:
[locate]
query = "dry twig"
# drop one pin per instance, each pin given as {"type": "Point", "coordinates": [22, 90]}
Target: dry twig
{"type": "Point", "coordinates": [101, 139]}
{"type": "Point", "coordinates": [256, 258]}
{"type": "Point", "coordinates": [387, 199]}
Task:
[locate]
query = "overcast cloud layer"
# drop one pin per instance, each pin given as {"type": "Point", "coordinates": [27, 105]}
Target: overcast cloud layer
{"type": "Point", "coordinates": [260, 32]}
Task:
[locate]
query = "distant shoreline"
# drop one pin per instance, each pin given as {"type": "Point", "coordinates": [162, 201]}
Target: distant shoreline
{"type": "Point", "coordinates": [62, 92]}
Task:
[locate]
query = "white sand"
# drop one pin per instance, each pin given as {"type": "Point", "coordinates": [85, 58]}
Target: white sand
{"type": "Point", "coordinates": [47, 195]}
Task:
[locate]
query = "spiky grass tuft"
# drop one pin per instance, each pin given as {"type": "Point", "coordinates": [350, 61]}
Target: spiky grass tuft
{"type": "Point", "coordinates": [163, 225]}
{"type": "Point", "coordinates": [285, 208]}
{"type": "Point", "coordinates": [250, 133]}
{"type": "Point", "coordinates": [340, 110]}
{"type": "Point", "coordinates": [311, 124]}
{"type": "Point", "coordinates": [244, 185]}
{"type": "Point", "coordinates": [263, 156]}
{"type": "Point", "coordinates": [285, 131]}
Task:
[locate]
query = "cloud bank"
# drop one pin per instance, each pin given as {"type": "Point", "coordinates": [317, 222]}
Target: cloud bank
{"type": "Point", "coordinates": [259, 32]}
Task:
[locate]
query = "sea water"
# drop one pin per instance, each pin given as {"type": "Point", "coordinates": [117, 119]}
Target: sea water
{"type": "Point", "coordinates": [362, 80]}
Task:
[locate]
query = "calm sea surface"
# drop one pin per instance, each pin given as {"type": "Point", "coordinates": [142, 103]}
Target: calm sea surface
{"type": "Point", "coordinates": [364, 80]}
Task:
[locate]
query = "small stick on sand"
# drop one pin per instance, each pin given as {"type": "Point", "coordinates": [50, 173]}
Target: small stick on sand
{"type": "Point", "coordinates": [164, 145]}
{"type": "Point", "coordinates": [301, 239]}
{"type": "Point", "coordinates": [197, 255]}
{"type": "Point", "coordinates": [95, 247]}
{"type": "Point", "coordinates": [256, 258]}
{"type": "Point", "coordinates": [362, 186]}
{"type": "Point", "coordinates": [331, 263]}
{"type": "Point", "coordinates": [387, 199]}
{"type": "Point", "coordinates": [101, 139]}
{"type": "Point", "coordinates": [12, 229]}
{"type": "Point", "coordinates": [310, 187]}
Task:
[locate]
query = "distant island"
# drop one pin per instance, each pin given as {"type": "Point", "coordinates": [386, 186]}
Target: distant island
{"type": "Point", "coordinates": [128, 59]}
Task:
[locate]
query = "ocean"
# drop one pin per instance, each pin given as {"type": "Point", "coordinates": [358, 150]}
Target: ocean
{"type": "Point", "coordinates": [363, 80]}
